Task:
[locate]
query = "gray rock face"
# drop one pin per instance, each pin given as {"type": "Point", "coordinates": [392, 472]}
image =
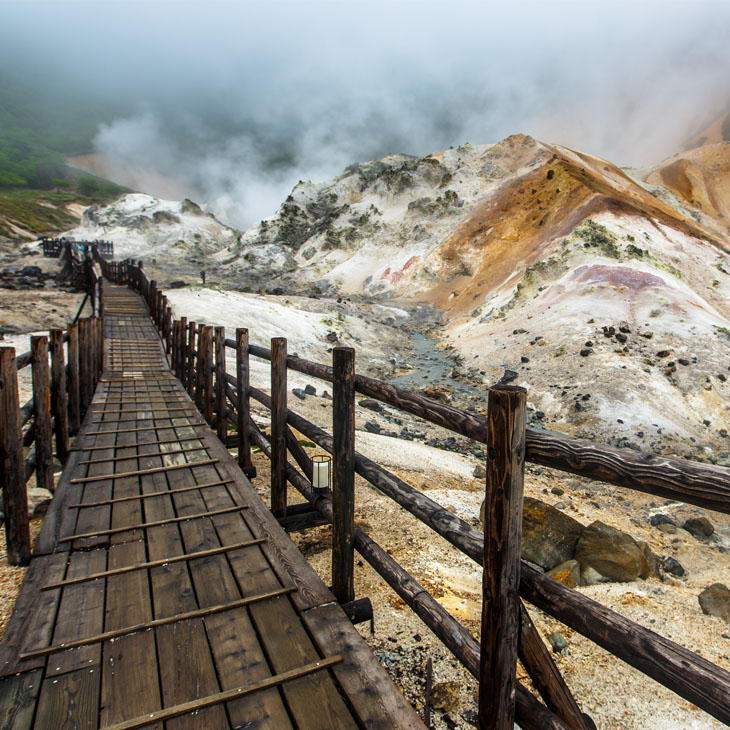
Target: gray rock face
{"type": "Point", "coordinates": [715, 601]}
{"type": "Point", "coordinates": [549, 536]}
{"type": "Point", "coordinates": [38, 501]}
{"type": "Point", "coordinates": [558, 642]}
{"type": "Point", "coordinates": [610, 552]}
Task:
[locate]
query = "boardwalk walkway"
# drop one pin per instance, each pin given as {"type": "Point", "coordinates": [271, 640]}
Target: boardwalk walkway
{"type": "Point", "coordinates": [162, 593]}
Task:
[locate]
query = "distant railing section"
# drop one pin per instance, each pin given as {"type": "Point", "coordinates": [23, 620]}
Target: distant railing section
{"type": "Point", "coordinates": [53, 247]}
{"type": "Point", "coordinates": [198, 357]}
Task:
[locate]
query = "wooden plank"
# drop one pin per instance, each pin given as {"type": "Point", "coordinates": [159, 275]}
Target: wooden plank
{"type": "Point", "coordinates": [189, 381]}
{"type": "Point", "coordinates": [501, 576]}
{"type": "Point", "coordinates": [85, 392]}
{"type": "Point", "coordinates": [12, 467]}
{"type": "Point", "coordinates": [113, 459]}
{"type": "Point", "coordinates": [137, 472]}
{"type": "Point", "coordinates": [232, 694]}
{"type": "Point", "coordinates": [194, 487]}
{"type": "Point", "coordinates": [130, 683]}
{"type": "Point", "coordinates": [186, 668]}
{"type": "Point", "coordinates": [278, 426]}
{"type": "Point", "coordinates": [376, 700]}
{"type": "Point", "coordinates": [145, 525]}
{"type": "Point", "coordinates": [343, 478]}
{"type": "Point", "coordinates": [154, 563]}
{"type": "Point", "coordinates": [69, 701]}
{"type": "Point", "coordinates": [18, 697]}
{"type": "Point", "coordinates": [34, 614]}
{"type": "Point", "coordinates": [144, 626]}
{"type": "Point", "coordinates": [80, 613]}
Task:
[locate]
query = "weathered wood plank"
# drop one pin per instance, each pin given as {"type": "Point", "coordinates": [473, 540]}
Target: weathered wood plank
{"type": "Point", "coordinates": [69, 701]}
{"type": "Point", "coordinates": [59, 396]}
{"type": "Point", "coordinates": [18, 697]}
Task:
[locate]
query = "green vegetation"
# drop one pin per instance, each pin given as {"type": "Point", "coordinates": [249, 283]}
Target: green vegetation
{"type": "Point", "coordinates": [595, 235]}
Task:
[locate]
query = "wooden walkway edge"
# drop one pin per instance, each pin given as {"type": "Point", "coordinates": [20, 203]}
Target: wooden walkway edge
{"type": "Point", "coordinates": [162, 593]}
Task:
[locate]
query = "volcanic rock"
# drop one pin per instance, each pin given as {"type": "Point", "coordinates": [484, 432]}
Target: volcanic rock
{"type": "Point", "coordinates": [612, 553]}
{"type": "Point", "coordinates": [715, 601]}
{"type": "Point", "coordinates": [549, 536]}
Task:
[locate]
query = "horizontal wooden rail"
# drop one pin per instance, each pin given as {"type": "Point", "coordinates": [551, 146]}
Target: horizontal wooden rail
{"type": "Point", "coordinates": [685, 481]}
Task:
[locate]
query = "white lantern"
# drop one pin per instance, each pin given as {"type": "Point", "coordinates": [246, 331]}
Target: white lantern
{"type": "Point", "coordinates": [321, 473]}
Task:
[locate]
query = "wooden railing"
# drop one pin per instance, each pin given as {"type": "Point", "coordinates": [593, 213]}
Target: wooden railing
{"type": "Point", "coordinates": [53, 247]}
{"type": "Point", "coordinates": [31, 433]}
{"type": "Point", "coordinates": [198, 357]}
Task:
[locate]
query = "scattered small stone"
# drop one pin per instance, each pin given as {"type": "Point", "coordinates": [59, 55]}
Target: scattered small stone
{"type": "Point", "coordinates": [371, 404]}
{"type": "Point", "coordinates": [559, 491]}
{"type": "Point", "coordinates": [508, 377]}
{"type": "Point", "coordinates": [664, 353]}
{"type": "Point", "coordinates": [672, 566]}
{"type": "Point", "coordinates": [299, 393]}
{"type": "Point", "coordinates": [715, 601]}
{"type": "Point", "coordinates": [331, 337]}
{"type": "Point", "coordinates": [655, 520]}
{"type": "Point", "coordinates": [621, 337]}
{"type": "Point", "coordinates": [480, 471]}
{"type": "Point", "coordinates": [445, 696]}
{"type": "Point", "coordinates": [683, 361]}
{"type": "Point", "coordinates": [586, 351]}
{"type": "Point", "coordinates": [567, 573]}
{"type": "Point", "coordinates": [648, 334]}
{"type": "Point", "coordinates": [624, 327]}
{"type": "Point", "coordinates": [558, 642]}
{"type": "Point", "coordinates": [524, 358]}
{"type": "Point", "coordinates": [310, 390]}
{"type": "Point", "coordinates": [699, 527]}
{"type": "Point", "coordinates": [470, 717]}
{"type": "Point", "coordinates": [372, 427]}
{"type": "Point", "coordinates": [589, 343]}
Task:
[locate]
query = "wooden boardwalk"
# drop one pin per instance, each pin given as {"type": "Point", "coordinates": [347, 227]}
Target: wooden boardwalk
{"type": "Point", "coordinates": [162, 593]}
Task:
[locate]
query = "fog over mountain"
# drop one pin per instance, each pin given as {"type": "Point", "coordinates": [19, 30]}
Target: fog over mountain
{"type": "Point", "coordinates": [235, 102]}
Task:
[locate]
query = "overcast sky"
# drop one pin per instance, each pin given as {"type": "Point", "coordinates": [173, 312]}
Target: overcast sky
{"type": "Point", "coordinates": [236, 101]}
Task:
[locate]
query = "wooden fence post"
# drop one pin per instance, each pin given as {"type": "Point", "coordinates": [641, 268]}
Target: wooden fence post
{"type": "Point", "coordinates": [59, 397]}
{"type": "Point", "coordinates": [12, 467]}
{"type": "Point", "coordinates": [221, 407]}
{"type": "Point", "coordinates": [199, 367]}
{"type": "Point", "coordinates": [278, 426]}
{"type": "Point", "coordinates": [343, 473]}
{"type": "Point", "coordinates": [208, 393]}
{"type": "Point", "coordinates": [190, 377]}
{"type": "Point", "coordinates": [244, 404]}
{"type": "Point", "coordinates": [168, 328]}
{"type": "Point", "coordinates": [174, 353]}
{"type": "Point", "coordinates": [42, 413]}
{"type": "Point", "coordinates": [74, 396]}
{"type": "Point", "coordinates": [152, 299]}
{"type": "Point", "coordinates": [182, 348]}
{"type": "Point", "coordinates": [84, 365]}
{"type": "Point", "coordinates": [501, 575]}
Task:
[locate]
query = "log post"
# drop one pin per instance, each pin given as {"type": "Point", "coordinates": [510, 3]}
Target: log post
{"type": "Point", "coordinates": [84, 360]}
{"type": "Point", "coordinates": [278, 426]}
{"type": "Point", "coordinates": [159, 312]}
{"type": "Point", "coordinates": [152, 300]}
{"type": "Point", "coordinates": [343, 473]}
{"type": "Point", "coordinates": [12, 467]}
{"type": "Point", "coordinates": [208, 393]}
{"type": "Point", "coordinates": [199, 367]}
{"type": "Point", "coordinates": [190, 376]}
{"type": "Point", "coordinates": [42, 412]}
{"type": "Point", "coordinates": [182, 348]}
{"type": "Point", "coordinates": [168, 328]}
{"type": "Point", "coordinates": [74, 399]}
{"type": "Point", "coordinates": [244, 404]}
{"type": "Point", "coordinates": [175, 339]}
{"type": "Point", "coordinates": [501, 575]}
{"type": "Point", "coordinates": [221, 408]}
{"type": "Point", "coordinates": [59, 397]}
